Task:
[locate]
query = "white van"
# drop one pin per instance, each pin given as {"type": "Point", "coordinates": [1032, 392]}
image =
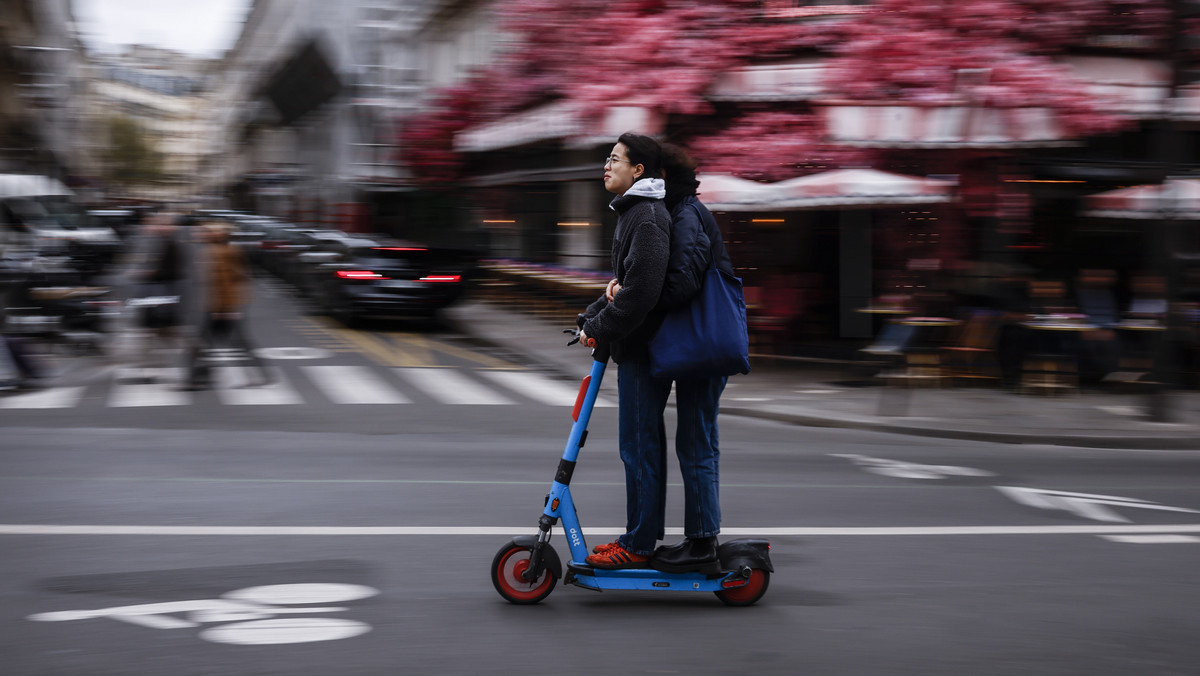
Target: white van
{"type": "Point", "coordinates": [39, 215]}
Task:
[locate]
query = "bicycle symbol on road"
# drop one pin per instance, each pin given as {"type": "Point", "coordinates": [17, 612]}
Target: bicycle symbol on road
{"type": "Point", "coordinates": [251, 614]}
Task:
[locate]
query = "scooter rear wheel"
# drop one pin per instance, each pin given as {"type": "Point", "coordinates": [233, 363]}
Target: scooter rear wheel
{"type": "Point", "coordinates": [511, 561]}
{"type": "Point", "coordinates": [748, 593]}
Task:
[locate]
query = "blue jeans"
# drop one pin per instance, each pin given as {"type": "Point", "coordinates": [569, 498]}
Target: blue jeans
{"type": "Point", "coordinates": [642, 398]}
{"type": "Point", "coordinates": [697, 446]}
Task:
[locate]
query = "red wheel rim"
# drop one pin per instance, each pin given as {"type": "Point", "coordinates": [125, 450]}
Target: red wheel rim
{"type": "Point", "coordinates": [508, 576]}
{"type": "Point", "coordinates": [748, 592]}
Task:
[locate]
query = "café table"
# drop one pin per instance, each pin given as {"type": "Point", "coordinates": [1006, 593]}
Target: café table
{"type": "Point", "coordinates": [1052, 362]}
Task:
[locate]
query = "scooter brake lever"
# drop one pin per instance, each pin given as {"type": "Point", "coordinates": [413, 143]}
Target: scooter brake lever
{"type": "Point", "coordinates": [574, 332]}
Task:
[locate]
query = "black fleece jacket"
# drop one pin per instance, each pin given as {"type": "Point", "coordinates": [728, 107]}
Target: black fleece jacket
{"type": "Point", "coordinates": [641, 246]}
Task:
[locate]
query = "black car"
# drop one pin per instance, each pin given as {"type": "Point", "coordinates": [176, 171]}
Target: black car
{"type": "Point", "coordinates": [393, 280]}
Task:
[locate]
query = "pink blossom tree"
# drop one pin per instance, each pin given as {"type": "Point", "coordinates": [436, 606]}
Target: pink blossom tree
{"type": "Point", "coordinates": [666, 55]}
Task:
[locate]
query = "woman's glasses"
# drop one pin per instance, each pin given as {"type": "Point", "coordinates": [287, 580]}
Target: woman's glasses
{"type": "Point", "coordinates": [614, 159]}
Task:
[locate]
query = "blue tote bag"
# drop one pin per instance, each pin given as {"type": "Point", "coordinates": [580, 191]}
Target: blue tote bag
{"type": "Point", "coordinates": [707, 337]}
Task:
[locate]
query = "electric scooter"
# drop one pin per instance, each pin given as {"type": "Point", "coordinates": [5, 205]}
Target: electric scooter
{"type": "Point", "coordinates": [526, 569]}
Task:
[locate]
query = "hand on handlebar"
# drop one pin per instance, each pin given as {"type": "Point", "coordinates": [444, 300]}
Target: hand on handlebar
{"type": "Point", "coordinates": [580, 337]}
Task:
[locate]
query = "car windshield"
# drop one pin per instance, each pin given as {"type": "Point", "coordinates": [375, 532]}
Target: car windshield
{"type": "Point", "coordinates": [65, 212]}
{"type": "Point", "coordinates": [32, 213]}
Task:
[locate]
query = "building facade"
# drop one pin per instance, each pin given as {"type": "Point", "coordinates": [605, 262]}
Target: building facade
{"type": "Point", "coordinates": [42, 85]}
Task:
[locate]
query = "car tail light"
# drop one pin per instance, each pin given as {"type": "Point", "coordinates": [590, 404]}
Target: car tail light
{"type": "Point", "coordinates": [441, 278]}
{"type": "Point", "coordinates": [359, 274]}
{"type": "Point", "coordinates": [398, 248]}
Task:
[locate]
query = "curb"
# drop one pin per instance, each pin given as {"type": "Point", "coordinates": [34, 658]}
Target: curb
{"type": "Point", "coordinates": [824, 419]}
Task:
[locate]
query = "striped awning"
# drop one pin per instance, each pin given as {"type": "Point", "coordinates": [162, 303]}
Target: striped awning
{"type": "Point", "coordinates": [1176, 199]}
{"type": "Point", "coordinates": [914, 126]}
{"type": "Point", "coordinates": [560, 121]}
{"type": "Point", "coordinates": [837, 189]}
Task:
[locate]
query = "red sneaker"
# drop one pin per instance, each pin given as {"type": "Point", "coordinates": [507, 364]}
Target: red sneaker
{"type": "Point", "coordinates": [600, 549]}
{"type": "Point", "coordinates": [617, 557]}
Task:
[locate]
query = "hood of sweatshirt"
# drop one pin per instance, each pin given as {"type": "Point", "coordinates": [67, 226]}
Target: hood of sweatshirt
{"type": "Point", "coordinates": [653, 188]}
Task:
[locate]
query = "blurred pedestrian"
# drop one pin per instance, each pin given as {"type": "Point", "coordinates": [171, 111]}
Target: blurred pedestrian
{"type": "Point", "coordinates": [625, 324]}
{"type": "Point", "coordinates": [160, 305]}
{"type": "Point", "coordinates": [17, 369]}
{"type": "Point", "coordinates": [226, 280]}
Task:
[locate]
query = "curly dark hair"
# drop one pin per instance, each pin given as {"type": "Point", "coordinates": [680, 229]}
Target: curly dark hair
{"type": "Point", "coordinates": [679, 170]}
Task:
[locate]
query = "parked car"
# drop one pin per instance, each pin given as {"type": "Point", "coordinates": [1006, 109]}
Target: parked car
{"type": "Point", "coordinates": [277, 245]}
{"type": "Point", "coordinates": [293, 266]}
{"type": "Point", "coordinates": [313, 265]}
{"type": "Point", "coordinates": [394, 279]}
{"type": "Point", "coordinates": [39, 214]}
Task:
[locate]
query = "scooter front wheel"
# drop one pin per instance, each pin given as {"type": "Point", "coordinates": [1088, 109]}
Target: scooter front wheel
{"type": "Point", "coordinates": [749, 593]}
{"type": "Point", "coordinates": [511, 561]}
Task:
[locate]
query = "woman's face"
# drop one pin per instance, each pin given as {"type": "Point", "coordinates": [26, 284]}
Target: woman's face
{"type": "Point", "coordinates": [619, 173]}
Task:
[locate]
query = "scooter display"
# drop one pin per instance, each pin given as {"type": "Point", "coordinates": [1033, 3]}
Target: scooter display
{"type": "Point", "coordinates": [527, 568]}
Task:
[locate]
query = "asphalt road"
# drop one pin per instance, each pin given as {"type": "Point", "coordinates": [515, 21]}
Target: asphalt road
{"type": "Point", "coordinates": [321, 536]}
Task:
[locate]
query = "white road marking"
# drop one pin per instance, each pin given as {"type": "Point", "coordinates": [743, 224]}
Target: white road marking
{"type": "Point", "coordinates": [233, 389]}
{"type": "Point", "coordinates": [541, 389]}
{"type": "Point", "coordinates": [163, 392]}
{"type": "Point", "coordinates": [451, 387]}
{"type": "Point", "coordinates": [1087, 505]}
{"type": "Point", "coordinates": [292, 353]}
{"type": "Point", "coordinates": [250, 613]}
{"type": "Point", "coordinates": [1152, 539]}
{"type": "Point", "coordinates": [285, 630]}
{"type": "Point", "coordinates": [97, 529]}
{"type": "Point", "coordinates": [354, 385]}
{"type": "Point", "coordinates": [909, 470]}
{"type": "Point", "coordinates": [55, 397]}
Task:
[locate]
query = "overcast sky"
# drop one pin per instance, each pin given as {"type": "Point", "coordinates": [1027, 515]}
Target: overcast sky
{"type": "Point", "coordinates": [203, 28]}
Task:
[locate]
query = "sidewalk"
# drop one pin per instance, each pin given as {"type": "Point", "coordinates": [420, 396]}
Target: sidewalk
{"type": "Point", "coordinates": [823, 395]}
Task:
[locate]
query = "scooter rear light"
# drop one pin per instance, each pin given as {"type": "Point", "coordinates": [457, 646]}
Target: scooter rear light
{"type": "Point", "coordinates": [733, 582]}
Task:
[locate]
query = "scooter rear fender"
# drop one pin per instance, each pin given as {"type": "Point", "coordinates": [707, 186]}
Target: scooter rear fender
{"type": "Point", "coordinates": [753, 553]}
{"type": "Point", "coordinates": [550, 558]}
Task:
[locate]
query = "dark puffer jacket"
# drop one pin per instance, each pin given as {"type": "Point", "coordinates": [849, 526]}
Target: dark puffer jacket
{"type": "Point", "coordinates": [695, 240]}
{"type": "Point", "coordinates": [641, 246]}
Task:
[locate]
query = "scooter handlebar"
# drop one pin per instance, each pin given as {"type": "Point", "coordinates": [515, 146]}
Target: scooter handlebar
{"type": "Point", "coordinates": [599, 352]}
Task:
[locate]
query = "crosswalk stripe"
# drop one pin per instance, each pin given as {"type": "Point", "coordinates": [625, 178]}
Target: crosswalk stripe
{"type": "Point", "coordinates": [540, 388]}
{"type": "Point", "coordinates": [341, 384]}
{"type": "Point", "coordinates": [163, 392]}
{"type": "Point", "coordinates": [55, 397]}
{"type": "Point", "coordinates": [234, 389]}
{"type": "Point", "coordinates": [354, 385]}
{"type": "Point", "coordinates": [451, 387]}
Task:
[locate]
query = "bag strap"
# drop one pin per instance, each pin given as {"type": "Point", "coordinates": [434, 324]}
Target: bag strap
{"type": "Point", "coordinates": [712, 260]}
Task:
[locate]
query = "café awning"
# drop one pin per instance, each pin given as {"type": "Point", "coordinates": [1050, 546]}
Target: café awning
{"type": "Point", "coordinates": [837, 189]}
{"type": "Point", "coordinates": [888, 125]}
{"type": "Point", "coordinates": [1176, 199]}
{"type": "Point", "coordinates": [848, 188]}
{"type": "Point", "coordinates": [728, 193]}
{"type": "Point", "coordinates": [560, 121]}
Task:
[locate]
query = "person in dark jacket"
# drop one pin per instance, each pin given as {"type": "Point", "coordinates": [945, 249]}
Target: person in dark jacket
{"type": "Point", "coordinates": [640, 250]}
{"type": "Point", "coordinates": [164, 282]}
{"type": "Point", "coordinates": [696, 242]}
